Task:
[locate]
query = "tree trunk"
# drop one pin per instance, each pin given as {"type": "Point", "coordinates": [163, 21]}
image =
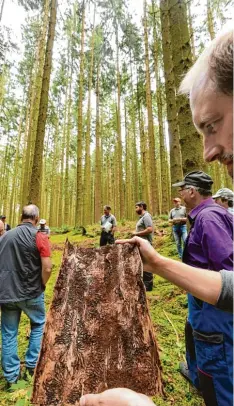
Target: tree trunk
{"type": "Point", "coordinates": [162, 147]}
{"type": "Point", "coordinates": [174, 137]}
{"type": "Point", "coordinates": [191, 31]}
{"type": "Point", "coordinates": [78, 214]}
{"type": "Point", "coordinates": [143, 150]}
{"type": "Point", "coordinates": [35, 184]}
{"type": "Point", "coordinates": [87, 213]}
{"type": "Point", "coordinates": [119, 137]}
{"type": "Point", "coordinates": [15, 170]}
{"type": "Point", "coordinates": [98, 207]}
{"type": "Point", "coordinates": [154, 204]}
{"type": "Point", "coordinates": [1, 9]}
{"type": "Point", "coordinates": [192, 158]}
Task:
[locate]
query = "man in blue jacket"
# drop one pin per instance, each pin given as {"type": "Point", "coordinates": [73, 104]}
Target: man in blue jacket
{"type": "Point", "coordinates": [208, 331]}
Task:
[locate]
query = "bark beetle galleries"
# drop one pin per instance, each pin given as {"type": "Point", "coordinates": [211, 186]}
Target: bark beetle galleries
{"type": "Point", "coordinates": [98, 333]}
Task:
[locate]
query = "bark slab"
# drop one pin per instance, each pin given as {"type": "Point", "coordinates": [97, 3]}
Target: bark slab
{"type": "Point", "coordinates": [98, 333]}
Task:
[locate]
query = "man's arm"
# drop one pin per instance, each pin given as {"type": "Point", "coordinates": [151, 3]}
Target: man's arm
{"type": "Point", "coordinates": [147, 231]}
{"type": "Point", "coordinates": [180, 220]}
{"type": "Point", "coordinates": [46, 269]}
{"type": "Point", "coordinates": [114, 224]}
{"type": "Point", "coordinates": [201, 283]}
{"type": "Point", "coordinates": [43, 247]}
{"type": "Point", "coordinates": [170, 219]}
{"type": "Point", "coordinates": [113, 229]}
{"type": "Point", "coordinates": [148, 223]}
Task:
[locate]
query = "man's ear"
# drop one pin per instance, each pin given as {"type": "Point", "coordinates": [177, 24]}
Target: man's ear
{"type": "Point", "coordinates": [192, 191]}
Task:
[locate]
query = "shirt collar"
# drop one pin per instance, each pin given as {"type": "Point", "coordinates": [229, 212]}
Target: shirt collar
{"type": "Point", "coordinates": [194, 212]}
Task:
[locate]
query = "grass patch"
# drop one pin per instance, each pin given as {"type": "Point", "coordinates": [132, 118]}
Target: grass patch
{"type": "Point", "coordinates": [168, 308]}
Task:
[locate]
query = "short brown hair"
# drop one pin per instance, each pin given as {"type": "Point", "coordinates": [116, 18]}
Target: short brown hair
{"type": "Point", "coordinates": [221, 64]}
{"type": "Point", "coordinates": [215, 63]}
{"type": "Point", "coordinates": [142, 204]}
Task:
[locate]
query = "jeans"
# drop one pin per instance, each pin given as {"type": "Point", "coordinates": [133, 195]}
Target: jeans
{"type": "Point", "coordinates": [179, 233]}
{"type": "Point", "coordinates": [11, 312]}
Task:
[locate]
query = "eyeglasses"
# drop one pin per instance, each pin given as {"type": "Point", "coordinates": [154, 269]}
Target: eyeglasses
{"type": "Point", "coordinates": [184, 188]}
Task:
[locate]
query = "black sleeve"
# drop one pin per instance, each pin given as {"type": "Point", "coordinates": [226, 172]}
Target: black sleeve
{"type": "Point", "coordinates": [225, 301]}
{"type": "Point", "coordinates": [8, 227]}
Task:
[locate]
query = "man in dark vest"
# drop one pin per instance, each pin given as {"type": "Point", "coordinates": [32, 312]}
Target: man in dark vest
{"type": "Point", "coordinates": [25, 268]}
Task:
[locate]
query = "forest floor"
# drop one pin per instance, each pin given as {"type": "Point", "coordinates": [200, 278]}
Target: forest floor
{"type": "Point", "coordinates": [168, 308]}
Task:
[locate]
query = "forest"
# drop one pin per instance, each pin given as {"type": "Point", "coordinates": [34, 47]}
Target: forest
{"type": "Point", "coordinates": [89, 107]}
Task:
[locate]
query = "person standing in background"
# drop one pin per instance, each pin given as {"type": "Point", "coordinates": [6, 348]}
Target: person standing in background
{"type": "Point", "coordinates": [108, 227]}
{"type": "Point", "coordinates": [178, 219]}
{"type": "Point", "coordinates": [224, 197]}
{"type": "Point", "coordinates": [43, 228]}
{"type": "Point", "coordinates": [145, 229]}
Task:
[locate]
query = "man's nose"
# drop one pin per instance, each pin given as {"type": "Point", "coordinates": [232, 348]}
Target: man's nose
{"type": "Point", "coordinates": [211, 151]}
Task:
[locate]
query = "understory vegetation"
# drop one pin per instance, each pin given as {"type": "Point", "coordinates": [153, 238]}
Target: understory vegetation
{"type": "Point", "coordinates": [168, 308]}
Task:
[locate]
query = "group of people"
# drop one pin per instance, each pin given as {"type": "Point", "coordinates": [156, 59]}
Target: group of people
{"type": "Point", "coordinates": [207, 260]}
{"type": "Point", "coordinates": [25, 268]}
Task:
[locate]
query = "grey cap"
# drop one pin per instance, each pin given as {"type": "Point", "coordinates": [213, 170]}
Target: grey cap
{"type": "Point", "coordinates": [225, 193]}
{"type": "Point", "coordinates": [196, 178]}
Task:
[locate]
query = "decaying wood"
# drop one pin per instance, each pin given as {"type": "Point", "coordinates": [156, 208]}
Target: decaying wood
{"type": "Point", "coordinates": [98, 333]}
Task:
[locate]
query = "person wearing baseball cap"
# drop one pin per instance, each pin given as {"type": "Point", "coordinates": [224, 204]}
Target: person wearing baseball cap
{"type": "Point", "coordinates": [224, 197]}
{"type": "Point", "coordinates": [209, 246]}
{"type": "Point", "coordinates": [43, 228]}
{"type": "Point", "coordinates": [178, 219]}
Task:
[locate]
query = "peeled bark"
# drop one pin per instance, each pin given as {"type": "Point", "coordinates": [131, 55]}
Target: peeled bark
{"type": "Point", "coordinates": [98, 333]}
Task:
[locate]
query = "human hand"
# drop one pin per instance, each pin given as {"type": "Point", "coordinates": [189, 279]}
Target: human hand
{"type": "Point", "coordinates": [149, 256]}
{"type": "Point", "coordinates": [116, 397]}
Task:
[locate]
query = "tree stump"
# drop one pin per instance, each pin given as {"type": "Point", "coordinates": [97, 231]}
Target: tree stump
{"type": "Point", "coordinates": [98, 333]}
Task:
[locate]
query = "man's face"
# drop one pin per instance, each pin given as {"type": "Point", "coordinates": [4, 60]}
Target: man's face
{"type": "Point", "coordinates": [213, 117]}
{"type": "Point", "coordinates": [139, 209]}
{"type": "Point", "coordinates": [1, 228]}
{"type": "Point", "coordinates": [106, 212]}
{"type": "Point", "coordinates": [176, 203]}
{"type": "Point", "coordinates": [3, 219]}
{"type": "Point", "coordinates": [185, 194]}
{"type": "Point", "coordinates": [223, 203]}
